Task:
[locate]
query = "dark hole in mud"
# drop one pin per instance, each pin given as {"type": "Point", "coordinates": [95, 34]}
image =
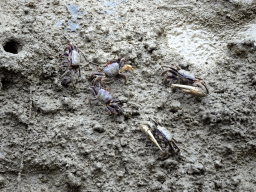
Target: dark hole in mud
{"type": "Point", "coordinates": [26, 12]}
{"type": "Point", "coordinates": [73, 188]}
{"type": "Point", "coordinates": [5, 83]}
{"type": "Point", "coordinates": [66, 81]}
{"type": "Point", "coordinates": [12, 46]}
{"type": "Point", "coordinates": [11, 79]}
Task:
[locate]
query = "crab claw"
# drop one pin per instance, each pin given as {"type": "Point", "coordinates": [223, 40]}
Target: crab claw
{"type": "Point", "coordinates": [145, 129]}
{"type": "Point", "coordinates": [198, 89]}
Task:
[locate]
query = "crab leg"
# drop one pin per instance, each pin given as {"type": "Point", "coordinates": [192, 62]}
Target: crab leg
{"type": "Point", "coordinates": [115, 101]}
{"type": "Point", "coordinates": [123, 76]}
{"type": "Point", "coordinates": [94, 91]}
{"type": "Point", "coordinates": [100, 69]}
{"type": "Point", "coordinates": [175, 146]}
{"type": "Point", "coordinates": [65, 62]}
{"type": "Point", "coordinates": [98, 78]}
{"type": "Point", "coordinates": [75, 76]}
{"type": "Point", "coordinates": [81, 52]}
{"type": "Point", "coordinates": [64, 66]}
{"type": "Point", "coordinates": [170, 77]}
{"type": "Point", "coordinates": [191, 89]}
{"type": "Point", "coordinates": [115, 106]}
{"type": "Point", "coordinates": [144, 128]}
{"type": "Point", "coordinates": [110, 109]}
{"type": "Point", "coordinates": [64, 74]}
{"type": "Point", "coordinates": [125, 67]}
{"type": "Point", "coordinates": [65, 54]}
{"type": "Point", "coordinates": [79, 71]}
{"type": "Point", "coordinates": [96, 74]}
{"type": "Point", "coordinates": [106, 80]}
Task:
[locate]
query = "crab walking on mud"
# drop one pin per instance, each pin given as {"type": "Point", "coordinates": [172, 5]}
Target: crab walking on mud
{"type": "Point", "coordinates": [113, 68]}
{"type": "Point", "coordinates": [72, 65]}
{"type": "Point", "coordinates": [190, 84]}
{"type": "Point", "coordinates": [161, 133]}
{"type": "Point", "coordinates": [107, 99]}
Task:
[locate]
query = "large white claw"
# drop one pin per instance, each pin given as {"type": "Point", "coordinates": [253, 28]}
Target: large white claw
{"type": "Point", "coordinates": [201, 92]}
{"type": "Point", "coordinates": [145, 129]}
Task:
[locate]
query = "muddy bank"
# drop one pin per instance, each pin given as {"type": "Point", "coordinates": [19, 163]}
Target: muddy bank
{"type": "Point", "coordinates": [52, 139]}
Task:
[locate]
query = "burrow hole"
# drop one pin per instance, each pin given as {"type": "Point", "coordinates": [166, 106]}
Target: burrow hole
{"type": "Point", "coordinates": [12, 46]}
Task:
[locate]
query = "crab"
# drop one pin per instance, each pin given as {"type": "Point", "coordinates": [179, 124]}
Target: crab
{"type": "Point", "coordinates": [192, 85]}
{"type": "Point", "coordinates": [107, 99]}
{"type": "Point", "coordinates": [113, 68]}
{"type": "Point", "coordinates": [162, 134]}
{"type": "Point", "coordinates": [66, 80]}
{"type": "Point", "coordinates": [72, 64]}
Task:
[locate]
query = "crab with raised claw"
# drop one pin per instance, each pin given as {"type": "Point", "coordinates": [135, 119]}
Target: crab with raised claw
{"type": "Point", "coordinates": [188, 83]}
{"type": "Point", "coordinates": [107, 99]}
{"type": "Point", "coordinates": [161, 133]}
{"type": "Point", "coordinates": [113, 68]}
{"type": "Point", "coordinates": [72, 64]}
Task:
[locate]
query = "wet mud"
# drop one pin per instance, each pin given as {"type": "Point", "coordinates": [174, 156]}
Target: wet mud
{"type": "Point", "coordinates": [52, 139]}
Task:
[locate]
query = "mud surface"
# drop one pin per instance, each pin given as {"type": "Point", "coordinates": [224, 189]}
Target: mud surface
{"type": "Point", "coordinates": [52, 139]}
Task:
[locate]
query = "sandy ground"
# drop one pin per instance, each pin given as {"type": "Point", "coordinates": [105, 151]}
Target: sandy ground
{"type": "Point", "coordinates": [52, 139]}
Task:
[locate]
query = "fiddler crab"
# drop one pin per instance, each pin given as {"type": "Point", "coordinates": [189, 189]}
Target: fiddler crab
{"type": "Point", "coordinates": [162, 134]}
{"type": "Point", "coordinates": [72, 64]}
{"type": "Point", "coordinates": [107, 99]}
{"type": "Point", "coordinates": [192, 85]}
{"type": "Point", "coordinates": [113, 68]}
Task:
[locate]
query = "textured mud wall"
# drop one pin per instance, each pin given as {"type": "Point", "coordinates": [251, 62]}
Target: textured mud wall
{"type": "Point", "coordinates": [51, 139]}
